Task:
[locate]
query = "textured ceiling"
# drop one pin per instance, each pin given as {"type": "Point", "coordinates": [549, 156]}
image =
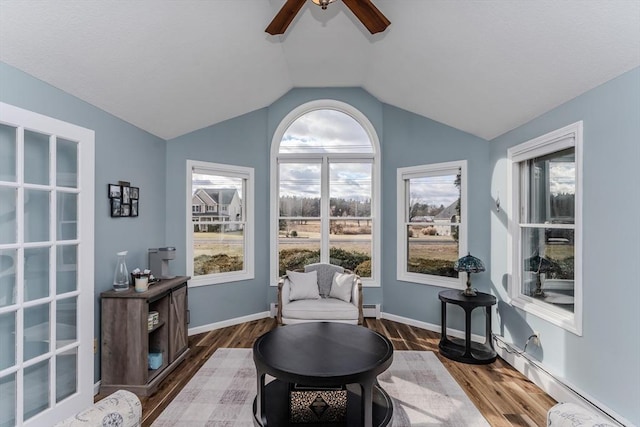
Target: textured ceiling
{"type": "Point", "coordinates": [171, 67]}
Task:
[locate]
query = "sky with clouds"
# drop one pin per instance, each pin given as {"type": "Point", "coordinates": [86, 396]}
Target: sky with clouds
{"type": "Point", "coordinates": [326, 131]}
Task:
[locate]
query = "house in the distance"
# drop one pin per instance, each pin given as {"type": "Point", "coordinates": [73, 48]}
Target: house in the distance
{"type": "Point", "coordinates": [443, 220]}
{"type": "Point", "coordinates": [211, 206]}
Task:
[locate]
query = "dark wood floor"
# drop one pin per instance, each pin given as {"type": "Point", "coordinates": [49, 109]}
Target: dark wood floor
{"type": "Point", "coordinates": [502, 394]}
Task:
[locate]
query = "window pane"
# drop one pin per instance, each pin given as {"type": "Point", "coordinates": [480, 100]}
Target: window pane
{"type": "Point", "coordinates": [66, 269]}
{"type": "Point", "coordinates": [36, 331]}
{"type": "Point", "coordinates": [350, 189]}
{"type": "Point", "coordinates": [430, 252]}
{"type": "Point", "coordinates": [36, 156]}
{"type": "Point", "coordinates": [552, 188]}
{"type": "Point", "coordinates": [7, 341]}
{"type": "Point", "coordinates": [218, 250]}
{"type": "Point", "coordinates": [434, 198]}
{"type": "Point", "coordinates": [8, 226]}
{"type": "Point", "coordinates": [8, 402]}
{"type": "Point", "coordinates": [66, 163]}
{"type": "Point", "coordinates": [36, 389]}
{"type": "Point", "coordinates": [36, 273]}
{"type": "Point", "coordinates": [350, 245]}
{"type": "Point", "coordinates": [66, 374]}
{"type": "Point", "coordinates": [300, 190]}
{"type": "Point", "coordinates": [548, 265]}
{"type": "Point", "coordinates": [36, 215]}
{"type": "Point", "coordinates": [216, 198]}
{"type": "Point", "coordinates": [7, 153]}
{"type": "Point", "coordinates": [67, 216]}
{"type": "Point", "coordinates": [298, 244]}
{"type": "Point", "coordinates": [325, 131]}
{"type": "Point", "coordinates": [8, 259]}
{"type": "Point", "coordinates": [66, 321]}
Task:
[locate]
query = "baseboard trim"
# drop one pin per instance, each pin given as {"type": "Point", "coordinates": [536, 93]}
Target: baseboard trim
{"type": "Point", "coordinates": [559, 389]}
{"type": "Point", "coordinates": [96, 388]}
{"type": "Point", "coordinates": [229, 322]}
{"type": "Point", "coordinates": [430, 326]}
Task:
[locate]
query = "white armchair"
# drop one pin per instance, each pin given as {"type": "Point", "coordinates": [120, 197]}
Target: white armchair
{"type": "Point", "coordinates": [327, 306]}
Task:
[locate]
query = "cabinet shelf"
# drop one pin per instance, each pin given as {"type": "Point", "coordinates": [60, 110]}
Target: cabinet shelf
{"type": "Point", "coordinates": [156, 327]}
{"type": "Point", "coordinates": [127, 339]}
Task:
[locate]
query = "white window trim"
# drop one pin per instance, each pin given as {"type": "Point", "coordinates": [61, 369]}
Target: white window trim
{"type": "Point", "coordinates": [376, 176]}
{"type": "Point", "coordinates": [566, 137]}
{"type": "Point", "coordinates": [249, 251]}
{"type": "Point", "coordinates": [403, 175]}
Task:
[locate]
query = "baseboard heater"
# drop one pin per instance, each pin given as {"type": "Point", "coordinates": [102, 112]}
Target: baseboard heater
{"type": "Point", "coordinates": [371, 310]}
{"type": "Point", "coordinates": [368, 310]}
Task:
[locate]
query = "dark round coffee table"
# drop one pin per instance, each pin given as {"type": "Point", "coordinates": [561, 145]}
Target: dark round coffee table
{"type": "Point", "coordinates": [322, 355]}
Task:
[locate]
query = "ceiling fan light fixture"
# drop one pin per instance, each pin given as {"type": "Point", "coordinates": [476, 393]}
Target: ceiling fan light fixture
{"type": "Point", "coordinates": [323, 3]}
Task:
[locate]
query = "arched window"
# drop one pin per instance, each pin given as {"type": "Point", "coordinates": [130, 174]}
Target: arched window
{"type": "Point", "coordinates": [325, 191]}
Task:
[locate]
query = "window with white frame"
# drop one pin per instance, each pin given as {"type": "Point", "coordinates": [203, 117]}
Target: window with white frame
{"type": "Point", "coordinates": [432, 223]}
{"type": "Point", "coordinates": [220, 243]}
{"type": "Point", "coordinates": [325, 188]}
{"type": "Point", "coordinates": [545, 230]}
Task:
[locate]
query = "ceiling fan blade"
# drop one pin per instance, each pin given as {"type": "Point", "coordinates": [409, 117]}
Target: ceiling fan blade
{"type": "Point", "coordinates": [284, 17]}
{"type": "Point", "coordinates": [368, 14]}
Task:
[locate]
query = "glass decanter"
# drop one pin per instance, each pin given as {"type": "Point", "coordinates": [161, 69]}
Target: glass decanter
{"type": "Point", "coordinates": [121, 275]}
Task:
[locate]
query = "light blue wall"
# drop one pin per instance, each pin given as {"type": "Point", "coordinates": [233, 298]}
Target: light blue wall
{"type": "Point", "coordinates": [411, 140]}
{"type": "Point", "coordinates": [604, 362]}
{"type": "Point", "coordinates": [240, 141]}
{"type": "Point", "coordinates": [123, 153]}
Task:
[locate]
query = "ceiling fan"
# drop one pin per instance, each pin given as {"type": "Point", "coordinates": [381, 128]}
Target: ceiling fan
{"type": "Point", "coordinates": [364, 10]}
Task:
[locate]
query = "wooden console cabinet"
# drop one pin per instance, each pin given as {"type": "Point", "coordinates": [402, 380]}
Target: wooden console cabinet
{"type": "Point", "coordinates": [127, 340]}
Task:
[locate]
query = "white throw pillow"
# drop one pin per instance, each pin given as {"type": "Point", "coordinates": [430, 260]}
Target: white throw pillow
{"type": "Point", "coordinates": [303, 285]}
{"type": "Point", "coordinates": [341, 286]}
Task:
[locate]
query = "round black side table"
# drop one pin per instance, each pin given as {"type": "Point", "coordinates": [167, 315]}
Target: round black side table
{"type": "Point", "coordinates": [465, 350]}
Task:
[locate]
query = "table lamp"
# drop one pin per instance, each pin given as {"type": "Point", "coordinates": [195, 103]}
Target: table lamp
{"type": "Point", "coordinates": [469, 264]}
{"type": "Point", "coordinates": [538, 264]}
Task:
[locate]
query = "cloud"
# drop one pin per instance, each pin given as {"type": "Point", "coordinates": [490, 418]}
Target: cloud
{"type": "Point", "coordinates": [434, 190]}
{"type": "Point", "coordinates": [323, 131]}
{"type": "Point", "coordinates": [562, 178]}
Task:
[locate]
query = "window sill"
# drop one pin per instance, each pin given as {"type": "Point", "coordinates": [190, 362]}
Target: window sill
{"type": "Point", "coordinates": [220, 279]}
{"type": "Point", "coordinates": [548, 312]}
{"type": "Point", "coordinates": [427, 279]}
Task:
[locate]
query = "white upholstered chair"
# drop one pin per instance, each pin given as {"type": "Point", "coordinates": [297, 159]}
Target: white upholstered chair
{"type": "Point", "coordinates": [328, 304]}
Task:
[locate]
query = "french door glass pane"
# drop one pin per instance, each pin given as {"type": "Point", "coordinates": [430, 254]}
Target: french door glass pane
{"type": "Point", "coordinates": [66, 163]}
{"type": "Point", "coordinates": [431, 252]}
{"type": "Point", "coordinates": [36, 331]}
{"type": "Point", "coordinates": [36, 389]}
{"type": "Point", "coordinates": [298, 243]}
{"type": "Point", "coordinates": [36, 215]}
{"type": "Point", "coordinates": [7, 340]}
{"type": "Point", "coordinates": [350, 189]}
{"type": "Point", "coordinates": [36, 273]}
{"type": "Point", "coordinates": [7, 153]}
{"type": "Point", "coordinates": [8, 259]}
{"type": "Point", "coordinates": [66, 321]}
{"type": "Point", "coordinates": [8, 401]}
{"type": "Point", "coordinates": [300, 190]}
{"type": "Point", "coordinates": [8, 226]}
{"type": "Point", "coordinates": [66, 374]}
{"type": "Point", "coordinates": [67, 216]}
{"type": "Point", "coordinates": [219, 250]}
{"type": "Point", "coordinates": [67, 269]}
{"type": "Point", "coordinates": [36, 157]}
{"type": "Point", "coordinates": [350, 245]}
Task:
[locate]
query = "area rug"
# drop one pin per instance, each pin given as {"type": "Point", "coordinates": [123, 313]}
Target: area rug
{"type": "Point", "coordinates": [221, 393]}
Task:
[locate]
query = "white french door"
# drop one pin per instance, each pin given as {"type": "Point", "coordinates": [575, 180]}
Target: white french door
{"type": "Point", "coordinates": [46, 268]}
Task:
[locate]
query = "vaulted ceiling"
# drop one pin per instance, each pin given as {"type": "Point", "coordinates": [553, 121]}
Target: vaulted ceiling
{"type": "Point", "coordinates": [171, 67]}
